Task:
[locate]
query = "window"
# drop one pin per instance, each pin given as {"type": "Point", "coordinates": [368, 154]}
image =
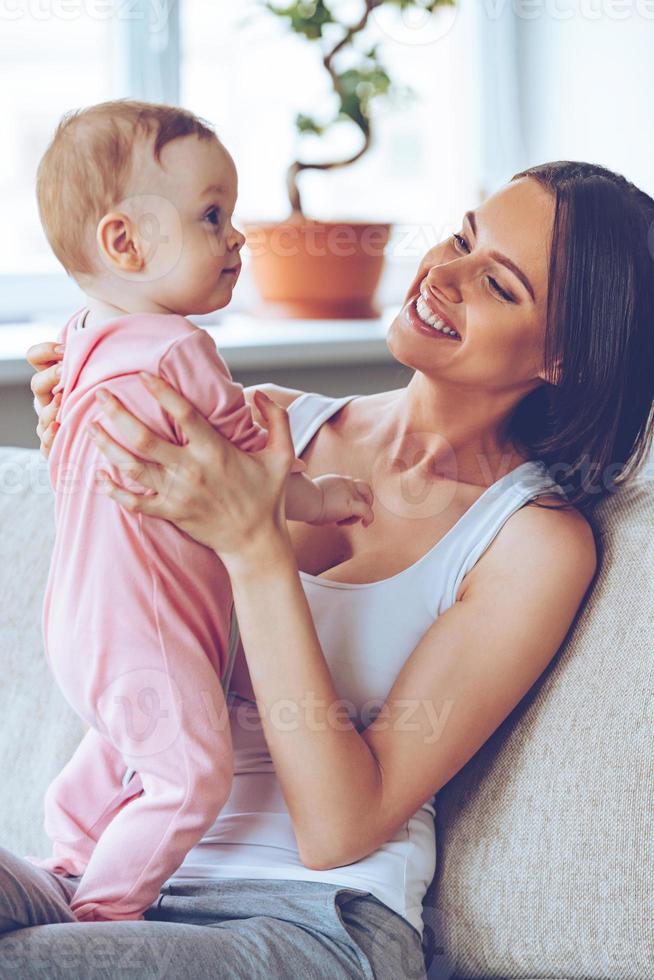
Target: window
{"type": "Point", "coordinates": [45, 63]}
{"type": "Point", "coordinates": [242, 70]}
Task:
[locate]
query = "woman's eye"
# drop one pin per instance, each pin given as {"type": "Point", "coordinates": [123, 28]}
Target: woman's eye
{"type": "Point", "coordinates": [213, 217]}
{"type": "Point", "coordinates": [462, 244]}
{"type": "Point", "coordinates": [495, 286]}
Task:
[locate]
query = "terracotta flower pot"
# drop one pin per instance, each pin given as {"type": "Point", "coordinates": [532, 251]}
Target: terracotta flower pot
{"type": "Point", "coordinates": [315, 269]}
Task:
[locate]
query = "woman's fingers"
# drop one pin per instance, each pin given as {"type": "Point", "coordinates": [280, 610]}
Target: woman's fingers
{"type": "Point", "coordinates": [48, 413]}
{"type": "Point", "coordinates": [192, 424]}
{"type": "Point", "coordinates": [45, 354]}
{"type": "Point", "coordinates": [46, 436]}
{"type": "Point", "coordinates": [147, 474]}
{"type": "Point", "coordinates": [43, 382]}
{"type": "Point", "coordinates": [148, 445]}
{"type": "Point", "coordinates": [134, 502]}
{"type": "Point", "coordinates": [280, 440]}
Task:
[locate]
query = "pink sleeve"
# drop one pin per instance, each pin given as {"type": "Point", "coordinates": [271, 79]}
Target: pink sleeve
{"type": "Point", "coordinates": [193, 366]}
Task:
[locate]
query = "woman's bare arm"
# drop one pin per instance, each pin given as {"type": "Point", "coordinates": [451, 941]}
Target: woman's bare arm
{"type": "Point", "coordinates": [348, 793]}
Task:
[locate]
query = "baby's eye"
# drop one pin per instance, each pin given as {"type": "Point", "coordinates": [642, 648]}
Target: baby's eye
{"type": "Point", "coordinates": [213, 216]}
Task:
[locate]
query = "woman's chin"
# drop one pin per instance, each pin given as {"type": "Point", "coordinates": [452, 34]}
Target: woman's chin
{"type": "Point", "coordinates": [414, 343]}
{"type": "Point", "coordinates": [401, 340]}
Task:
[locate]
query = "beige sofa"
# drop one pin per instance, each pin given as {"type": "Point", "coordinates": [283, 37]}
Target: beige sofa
{"type": "Point", "coordinates": [545, 838]}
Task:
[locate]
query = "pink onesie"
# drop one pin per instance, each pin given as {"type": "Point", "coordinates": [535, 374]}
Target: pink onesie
{"type": "Point", "coordinates": [136, 626]}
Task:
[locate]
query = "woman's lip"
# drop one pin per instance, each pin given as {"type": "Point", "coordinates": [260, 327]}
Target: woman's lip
{"type": "Point", "coordinates": [416, 323]}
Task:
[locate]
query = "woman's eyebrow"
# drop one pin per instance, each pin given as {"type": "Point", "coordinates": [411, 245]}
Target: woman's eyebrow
{"type": "Point", "coordinates": [503, 259]}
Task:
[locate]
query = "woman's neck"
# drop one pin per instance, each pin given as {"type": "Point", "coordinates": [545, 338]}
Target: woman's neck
{"type": "Point", "coordinates": [451, 432]}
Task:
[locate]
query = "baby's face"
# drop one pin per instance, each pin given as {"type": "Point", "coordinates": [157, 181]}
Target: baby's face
{"type": "Point", "coordinates": [183, 211]}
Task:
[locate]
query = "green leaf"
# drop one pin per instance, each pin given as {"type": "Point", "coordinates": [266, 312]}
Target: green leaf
{"type": "Point", "coordinates": [305, 124]}
{"type": "Point", "coordinates": [307, 17]}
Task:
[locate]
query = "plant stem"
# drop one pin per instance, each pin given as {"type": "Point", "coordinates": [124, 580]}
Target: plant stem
{"type": "Point", "coordinates": [298, 166]}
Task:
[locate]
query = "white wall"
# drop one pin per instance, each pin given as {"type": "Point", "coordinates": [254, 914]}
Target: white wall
{"type": "Point", "coordinates": [586, 83]}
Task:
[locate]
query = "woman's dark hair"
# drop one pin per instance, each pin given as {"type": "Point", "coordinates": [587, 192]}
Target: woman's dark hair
{"type": "Point", "coordinates": [593, 428]}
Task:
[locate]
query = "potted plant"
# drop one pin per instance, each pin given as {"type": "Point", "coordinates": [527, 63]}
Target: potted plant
{"type": "Point", "coordinates": [317, 269]}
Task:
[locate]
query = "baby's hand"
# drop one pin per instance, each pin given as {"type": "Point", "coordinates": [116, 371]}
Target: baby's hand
{"type": "Point", "coordinates": [344, 501]}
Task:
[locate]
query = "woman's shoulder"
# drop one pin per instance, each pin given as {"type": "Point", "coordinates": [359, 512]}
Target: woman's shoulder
{"type": "Point", "coordinates": [551, 540]}
{"type": "Point", "coordinates": [553, 533]}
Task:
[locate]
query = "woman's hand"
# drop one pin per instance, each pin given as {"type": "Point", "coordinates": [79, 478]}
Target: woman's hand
{"type": "Point", "coordinates": [226, 499]}
{"type": "Point", "coordinates": [46, 358]}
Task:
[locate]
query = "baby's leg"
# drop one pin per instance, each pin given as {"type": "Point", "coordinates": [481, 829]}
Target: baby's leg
{"type": "Point", "coordinates": [171, 726]}
{"type": "Point", "coordinates": [80, 802]}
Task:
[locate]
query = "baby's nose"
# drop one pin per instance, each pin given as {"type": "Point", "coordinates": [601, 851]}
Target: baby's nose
{"type": "Point", "coordinates": [235, 239]}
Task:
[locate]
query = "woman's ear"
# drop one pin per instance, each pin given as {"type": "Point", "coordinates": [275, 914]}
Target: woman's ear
{"type": "Point", "coordinates": [118, 243]}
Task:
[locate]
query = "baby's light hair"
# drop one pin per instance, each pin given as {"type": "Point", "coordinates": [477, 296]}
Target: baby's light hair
{"type": "Point", "coordinates": [86, 168]}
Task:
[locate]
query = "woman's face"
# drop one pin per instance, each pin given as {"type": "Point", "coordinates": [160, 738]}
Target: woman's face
{"type": "Point", "coordinates": [488, 281]}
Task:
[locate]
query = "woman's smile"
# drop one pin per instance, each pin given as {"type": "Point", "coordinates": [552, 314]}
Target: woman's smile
{"type": "Point", "coordinates": [420, 318]}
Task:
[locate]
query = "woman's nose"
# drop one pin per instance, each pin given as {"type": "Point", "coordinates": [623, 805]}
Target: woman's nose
{"type": "Point", "coordinates": [443, 283]}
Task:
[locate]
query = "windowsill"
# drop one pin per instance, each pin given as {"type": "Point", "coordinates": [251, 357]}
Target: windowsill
{"type": "Point", "coordinates": [245, 342]}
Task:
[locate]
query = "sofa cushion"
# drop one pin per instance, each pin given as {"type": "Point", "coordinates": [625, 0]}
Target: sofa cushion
{"type": "Point", "coordinates": [545, 844]}
{"type": "Point", "coordinates": [546, 837]}
{"type": "Point", "coordinates": [39, 729]}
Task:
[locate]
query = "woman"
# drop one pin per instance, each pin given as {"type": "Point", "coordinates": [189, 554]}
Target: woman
{"type": "Point", "coordinates": [373, 673]}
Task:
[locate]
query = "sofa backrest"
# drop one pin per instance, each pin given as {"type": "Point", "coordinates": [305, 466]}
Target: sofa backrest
{"type": "Point", "coordinates": [546, 837]}
{"type": "Point", "coordinates": [39, 730]}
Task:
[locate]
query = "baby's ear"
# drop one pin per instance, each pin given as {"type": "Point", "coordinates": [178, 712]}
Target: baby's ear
{"type": "Point", "coordinates": [118, 243]}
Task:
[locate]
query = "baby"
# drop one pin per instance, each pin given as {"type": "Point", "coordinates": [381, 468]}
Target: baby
{"type": "Point", "coordinates": [136, 201]}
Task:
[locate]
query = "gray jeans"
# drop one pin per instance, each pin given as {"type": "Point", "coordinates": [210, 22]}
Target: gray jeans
{"type": "Point", "coordinates": [241, 929]}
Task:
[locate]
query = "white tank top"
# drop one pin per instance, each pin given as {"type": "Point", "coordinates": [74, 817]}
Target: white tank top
{"type": "Point", "coordinates": [367, 632]}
